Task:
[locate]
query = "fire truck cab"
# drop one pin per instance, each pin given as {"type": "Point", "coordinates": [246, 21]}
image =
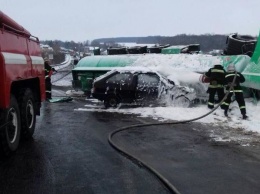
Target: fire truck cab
{"type": "Point", "coordinates": [22, 85]}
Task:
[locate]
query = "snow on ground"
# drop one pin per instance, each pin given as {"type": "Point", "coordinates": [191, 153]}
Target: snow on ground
{"type": "Point", "coordinates": [66, 63]}
{"type": "Point", "coordinates": [65, 81]}
{"type": "Point", "coordinates": [131, 44]}
{"type": "Point", "coordinates": [179, 114]}
{"type": "Point", "coordinates": [166, 63]}
{"type": "Point", "coordinates": [62, 78]}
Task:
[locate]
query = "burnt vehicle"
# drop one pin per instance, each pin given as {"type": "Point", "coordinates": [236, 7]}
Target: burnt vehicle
{"type": "Point", "coordinates": [141, 86]}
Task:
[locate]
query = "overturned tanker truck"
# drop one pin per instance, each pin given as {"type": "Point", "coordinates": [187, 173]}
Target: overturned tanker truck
{"type": "Point", "coordinates": [251, 72]}
{"type": "Point", "coordinates": [242, 51]}
{"type": "Point", "coordinates": [22, 85]}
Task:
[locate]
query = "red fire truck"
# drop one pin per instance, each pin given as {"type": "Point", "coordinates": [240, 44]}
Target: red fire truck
{"type": "Point", "coordinates": [22, 85]}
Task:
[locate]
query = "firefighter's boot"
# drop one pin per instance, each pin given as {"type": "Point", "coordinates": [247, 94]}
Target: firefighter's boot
{"type": "Point", "coordinates": [245, 116]}
{"type": "Point", "coordinates": [226, 112]}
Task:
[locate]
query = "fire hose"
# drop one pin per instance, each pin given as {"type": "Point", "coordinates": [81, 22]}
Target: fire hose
{"type": "Point", "coordinates": [139, 161]}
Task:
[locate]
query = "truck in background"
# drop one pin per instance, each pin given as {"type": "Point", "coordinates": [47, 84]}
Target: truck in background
{"type": "Point", "coordinates": [22, 83]}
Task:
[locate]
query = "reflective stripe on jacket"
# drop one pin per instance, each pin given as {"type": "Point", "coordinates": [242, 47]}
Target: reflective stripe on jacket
{"type": "Point", "coordinates": [216, 76]}
{"type": "Point", "coordinates": [229, 80]}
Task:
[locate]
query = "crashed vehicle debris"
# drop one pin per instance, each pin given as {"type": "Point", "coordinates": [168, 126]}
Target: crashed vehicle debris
{"type": "Point", "coordinates": [139, 85]}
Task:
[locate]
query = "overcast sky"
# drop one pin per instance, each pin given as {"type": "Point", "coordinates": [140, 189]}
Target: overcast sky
{"type": "Point", "coordinates": [81, 20]}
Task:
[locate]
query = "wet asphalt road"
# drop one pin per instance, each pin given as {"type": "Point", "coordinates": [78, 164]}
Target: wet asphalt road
{"type": "Point", "coordinates": [70, 153]}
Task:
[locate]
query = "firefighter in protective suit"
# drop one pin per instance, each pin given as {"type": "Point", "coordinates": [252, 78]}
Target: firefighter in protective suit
{"type": "Point", "coordinates": [216, 76]}
{"type": "Point", "coordinates": [48, 73]}
{"type": "Point", "coordinates": [237, 90]}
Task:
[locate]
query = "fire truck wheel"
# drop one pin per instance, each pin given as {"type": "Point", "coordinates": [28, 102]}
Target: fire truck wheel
{"type": "Point", "coordinates": [10, 134]}
{"type": "Point", "coordinates": [28, 115]}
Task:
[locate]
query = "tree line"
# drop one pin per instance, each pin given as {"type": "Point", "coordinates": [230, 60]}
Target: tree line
{"type": "Point", "coordinates": [207, 42]}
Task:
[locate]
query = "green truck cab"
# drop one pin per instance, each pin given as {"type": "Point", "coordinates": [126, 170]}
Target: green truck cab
{"type": "Point", "coordinates": [252, 70]}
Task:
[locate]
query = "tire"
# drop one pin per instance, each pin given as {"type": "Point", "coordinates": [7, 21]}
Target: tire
{"type": "Point", "coordinates": [182, 101]}
{"type": "Point", "coordinates": [111, 101]}
{"type": "Point", "coordinates": [10, 134]}
{"type": "Point", "coordinates": [28, 113]}
{"type": "Point", "coordinates": [87, 94]}
{"type": "Point", "coordinates": [236, 44]}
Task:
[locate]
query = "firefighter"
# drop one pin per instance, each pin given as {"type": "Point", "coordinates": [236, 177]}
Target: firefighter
{"type": "Point", "coordinates": [216, 76]}
{"type": "Point", "coordinates": [48, 73]}
{"type": "Point", "coordinates": [237, 90]}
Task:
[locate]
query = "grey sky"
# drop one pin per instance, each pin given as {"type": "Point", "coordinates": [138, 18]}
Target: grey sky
{"type": "Point", "coordinates": [81, 20]}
